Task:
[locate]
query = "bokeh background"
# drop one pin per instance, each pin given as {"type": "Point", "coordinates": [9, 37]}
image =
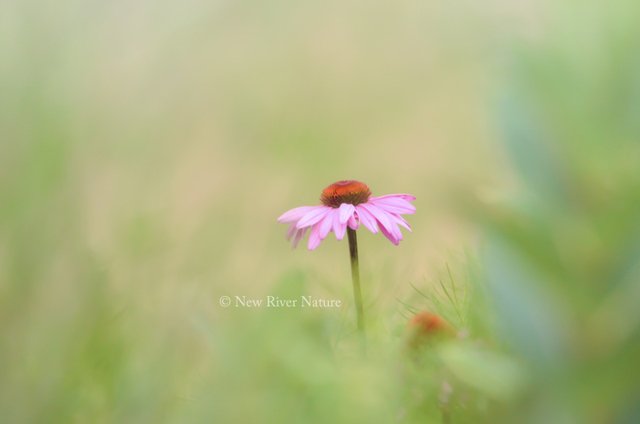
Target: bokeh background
{"type": "Point", "coordinates": [146, 149]}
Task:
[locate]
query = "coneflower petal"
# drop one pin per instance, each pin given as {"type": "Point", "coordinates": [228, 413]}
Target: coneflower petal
{"type": "Point", "coordinates": [313, 216]}
{"type": "Point", "coordinates": [325, 225]}
{"type": "Point", "coordinates": [367, 219]}
{"type": "Point", "coordinates": [405, 196]}
{"type": "Point", "coordinates": [380, 216]}
{"type": "Point", "coordinates": [298, 236]}
{"type": "Point", "coordinates": [346, 211]}
{"type": "Point", "coordinates": [401, 221]}
{"type": "Point", "coordinates": [291, 231]}
{"type": "Point", "coordinates": [314, 238]}
{"type": "Point", "coordinates": [353, 222]}
{"type": "Point", "coordinates": [385, 219]}
{"type": "Point", "coordinates": [395, 205]}
{"type": "Point", "coordinates": [339, 228]}
{"type": "Point", "coordinates": [295, 213]}
{"type": "Point", "coordinates": [393, 239]}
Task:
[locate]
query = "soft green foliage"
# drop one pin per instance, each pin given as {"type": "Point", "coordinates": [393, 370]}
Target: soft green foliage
{"type": "Point", "coordinates": [562, 257]}
{"type": "Point", "coordinates": [147, 148]}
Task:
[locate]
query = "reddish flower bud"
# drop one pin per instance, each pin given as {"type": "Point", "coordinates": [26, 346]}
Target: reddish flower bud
{"type": "Point", "coordinates": [426, 326]}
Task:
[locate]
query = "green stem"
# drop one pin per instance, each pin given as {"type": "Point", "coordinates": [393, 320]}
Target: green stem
{"type": "Point", "coordinates": [355, 277]}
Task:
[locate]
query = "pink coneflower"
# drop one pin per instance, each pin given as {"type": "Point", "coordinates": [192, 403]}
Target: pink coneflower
{"type": "Point", "coordinates": [346, 205]}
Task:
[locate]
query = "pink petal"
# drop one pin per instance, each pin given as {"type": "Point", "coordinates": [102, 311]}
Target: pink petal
{"type": "Point", "coordinates": [314, 237]}
{"type": "Point", "coordinates": [390, 236]}
{"type": "Point", "coordinates": [299, 236]}
{"type": "Point", "coordinates": [378, 214]}
{"type": "Point", "coordinates": [339, 228]}
{"type": "Point", "coordinates": [401, 221]}
{"type": "Point", "coordinates": [295, 214]}
{"type": "Point", "coordinates": [384, 218]}
{"type": "Point", "coordinates": [395, 205]}
{"type": "Point", "coordinates": [396, 232]}
{"type": "Point", "coordinates": [346, 211]}
{"type": "Point", "coordinates": [404, 196]}
{"type": "Point", "coordinates": [313, 216]}
{"type": "Point", "coordinates": [353, 222]}
{"type": "Point", "coordinates": [367, 219]}
{"type": "Point", "coordinates": [326, 223]}
{"type": "Point", "coordinates": [291, 231]}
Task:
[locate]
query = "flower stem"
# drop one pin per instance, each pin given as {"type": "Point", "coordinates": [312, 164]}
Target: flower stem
{"type": "Point", "coordinates": [355, 277]}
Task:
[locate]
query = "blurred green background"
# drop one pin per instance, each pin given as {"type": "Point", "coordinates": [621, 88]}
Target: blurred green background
{"type": "Point", "coordinates": [146, 149]}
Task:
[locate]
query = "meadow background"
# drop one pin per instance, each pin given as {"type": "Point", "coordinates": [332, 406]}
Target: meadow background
{"type": "Point", "coordinates": [146, 149]}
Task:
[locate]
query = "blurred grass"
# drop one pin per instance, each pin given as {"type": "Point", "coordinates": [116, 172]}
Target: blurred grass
{"type": "Point", "coordinates": [147, 148]}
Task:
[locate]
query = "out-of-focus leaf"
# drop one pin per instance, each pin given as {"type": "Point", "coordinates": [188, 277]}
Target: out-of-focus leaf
{"type": "Point", "coordinates": [528, 317]}
{"type": "Point", "coordinates": [496, 375]}
{"type": "Point", "coordinates": [529, 148]}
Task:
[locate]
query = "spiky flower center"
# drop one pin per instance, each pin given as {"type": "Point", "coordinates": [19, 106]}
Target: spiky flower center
{"type": "Point", "coordinates": [346, 191]}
